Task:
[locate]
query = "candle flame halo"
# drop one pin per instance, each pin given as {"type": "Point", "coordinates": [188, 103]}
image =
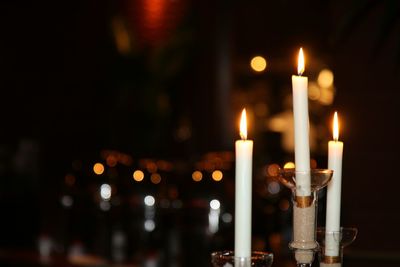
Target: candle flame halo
{"type": "Point", "coordinates": [243, 125]}
{"type": "Point", "coordinates": [335, 127]}
{"type": "Point", "coordinates": [300, 62]}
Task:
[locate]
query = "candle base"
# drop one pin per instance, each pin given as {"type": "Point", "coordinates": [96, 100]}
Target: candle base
{"type": "Point", "coordinates": [332, 245]}
{"type": "Point", "coordinates": [228, 259]}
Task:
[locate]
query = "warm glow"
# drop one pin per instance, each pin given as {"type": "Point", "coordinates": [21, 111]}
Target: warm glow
{"type": "Point", "coordinates": [300, 62]}
{"type": "Point", "coordinates": [325, 78]}
{"type": "Point", "coordinates": [217, 175]}
{"type": "Point", "coordinates": [111, 160]}
{"type": "Point", "coordinates": [155, 178]}
{"type": "Point", "coordinates": [151, 167]}
{"type": "Point", "coordinates": [197, 176]}
{"type": "Point", "coordinates": [258, 63]}
{"type": "Point", "coordinates": [327, 96]}
{"type": "Point", "coordinates": [314, 92]}
{"type": "Point", "coordinates": [138, 175]}
{"type": "Point", "coordinates": [335, 127]}
{"type": "Point", "coordinates": [243, 125]}
{"type": "Point", "coordinates": [98, 168]}
{"type": "Point", "coordinates": [289, 165]}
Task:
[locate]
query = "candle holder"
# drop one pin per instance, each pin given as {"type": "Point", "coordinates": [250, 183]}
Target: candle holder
{"type": "Point", "coordinates": [304, 244]}
{"type": "Point", "coordinates": [228, 259]}
{"type": "Point", "coordinates": [333, 243]}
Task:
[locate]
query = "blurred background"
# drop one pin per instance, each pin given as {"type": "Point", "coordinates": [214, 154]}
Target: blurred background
{"type": "Point", "coordinates": [118, 122]}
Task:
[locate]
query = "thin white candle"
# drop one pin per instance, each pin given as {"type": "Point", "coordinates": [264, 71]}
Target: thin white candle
{"type": "Point", "coordinates": [335, 155]}
{"type": "Point", "coordinates": [243, 192]}
{"type": "Point", "coordinates": [301, 130]}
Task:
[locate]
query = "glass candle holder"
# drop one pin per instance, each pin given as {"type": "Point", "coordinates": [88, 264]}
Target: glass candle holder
{"type": "Point", "coordinates": [332, 245]}
{"type": "Point", "coordinates": [228, 259]}
{"type": "Point", "coordinates": [304, 243]}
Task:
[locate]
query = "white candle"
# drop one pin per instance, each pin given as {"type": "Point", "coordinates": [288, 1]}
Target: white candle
{"type": "Point", "coordinates": [335, 155]}
{"type": "Point", "coordinates": [301, 130]}
{"type": "Point", "coordinates": [243, 182]}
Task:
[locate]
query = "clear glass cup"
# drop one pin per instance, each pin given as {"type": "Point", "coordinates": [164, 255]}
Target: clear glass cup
{"type": "Point", "coordinates": [332, 245]}
{"type": "Point", "coordinates": [228, 259]}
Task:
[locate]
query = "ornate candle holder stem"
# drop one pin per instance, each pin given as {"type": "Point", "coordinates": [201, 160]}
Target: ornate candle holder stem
{"type": "Point", "coordinates": [228, 259]}
{"type": "Point", "coordinates": [332, 244]}
{"type": "Point", "coordinates": [304, 241]}
{"type": "Point", "coordinates": [304, 244]}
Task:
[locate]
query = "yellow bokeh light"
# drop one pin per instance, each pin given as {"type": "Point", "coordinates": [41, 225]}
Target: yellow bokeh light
{"type": "Point", "coordinates": [138, 175]}
{"type": "Point", "coordinates": [98, 168]}
{"type": "Point", "coordinates": [217, 175]}
{"type": "Point", "coordinates": [314, 92]}
{"type": "Point", "coordinates": [327, 96]}
{"type": "Point", "coordinates": [258, 63]}
{"type": "Point", "coordinates": [197, 176]}
{"type": "Point", "coordinates": [289, 165]}
{"type": "Point", "coordinates": [325, 78]}
{"type": "Point", "coordinates": [155, 178]}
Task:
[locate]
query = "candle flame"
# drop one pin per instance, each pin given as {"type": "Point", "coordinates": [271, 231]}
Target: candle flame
{"type": "Point", "coordinates": [335, 127]}
{"type": "Point", "coordinates": [243, 125]}
{"type": "Point", "coordinates": [300, 62]}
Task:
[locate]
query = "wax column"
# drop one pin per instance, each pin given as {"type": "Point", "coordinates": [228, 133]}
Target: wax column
{"type": "Point", "coordinates": [301, 130]}
{"type": "Point", "coordinates": [243, 183]}
{"type": "Point", "coordinates": [335, 155]}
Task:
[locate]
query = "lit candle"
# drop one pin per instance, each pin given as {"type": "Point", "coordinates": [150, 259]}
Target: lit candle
{"type": "Point", "coordinates": [243, 182]}
{"type": "Point", "coordinates": [335, 155]}
{"type": "Point", "coordinates": [301, 130]}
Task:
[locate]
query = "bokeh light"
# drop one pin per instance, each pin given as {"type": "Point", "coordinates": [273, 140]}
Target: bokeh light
{"type": "Point", "coordinates": [111, 160]}
{"type": "Point", "coordinates": [197, 176]}
{"type": "Point", "coordinates": [217, 175]}
{"type": "Point", "coordinates": [227, 218]}
{"type": "Point", "coordinates": [274, 188]}
{"type": "Point", "coordinates": [258, 63]}
{"type": "Point", "coordinates": [151, 167]}
{"type": "Point", "coordinates": [105, 191]}
{"type": "Point", "coordinates": [138, 175]}
{"type": "Point", "coordinates": [325, 78]}
{"type": "Point", "coordinates": [98, 168]}
{"type": "Point", "coordinates": [284, 205]}
{"type": "Point", "coordinates": [149, 200]}
{"type": "Point", "coordinates": [149, 225]}
{"type": "Point", "coordinates": [215, 204]}
{"type": "Point", "coordinates": [289, 165]}
{"type": "Point", "coordinates": [314, 92]}
{"type": "Point", "coordinates": [155, 178]}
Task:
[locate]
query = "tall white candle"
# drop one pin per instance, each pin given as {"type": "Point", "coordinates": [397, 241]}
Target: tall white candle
{"type": "Point", "coordinates": [335, 155]}
{"type": "Point", "coordinates": [243, 183]}
{"type": "Point", "coordinates": [301, 130]}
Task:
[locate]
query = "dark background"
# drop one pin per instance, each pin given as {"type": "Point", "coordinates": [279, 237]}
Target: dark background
{"type": "Point", "coordinates": [166, 80]}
